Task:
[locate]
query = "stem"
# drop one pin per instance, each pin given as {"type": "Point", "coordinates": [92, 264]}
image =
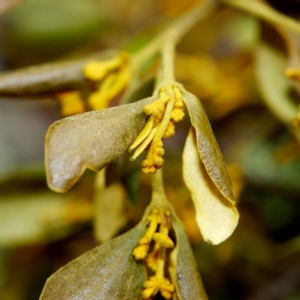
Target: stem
{"type": "Point", "coordinates": [159, 274]}
{"type": "Point", "coordinates": [159, 198]}
{"type": "Point", "coordinates": [264, 11]}
{"type": "Point", "coordinates": [168, 52]}
{"type": "Point", "coordinates": [180, 25]}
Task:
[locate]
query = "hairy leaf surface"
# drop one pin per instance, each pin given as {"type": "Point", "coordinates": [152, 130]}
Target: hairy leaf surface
{"type": "Point", "coordinates": [216, 216]}
{"type": "Point", "coordinates": [108, 271]}
{"type": "Point", "coordinates": [184, 270]}
{"type": "Point", "coordinates": [208, 148]}
{"type": "Point", "coordinates": [47, 78]}
{"type": "Point", "coordinates": [90, 140]}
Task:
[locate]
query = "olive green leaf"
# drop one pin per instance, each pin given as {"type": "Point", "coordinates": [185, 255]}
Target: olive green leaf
{"type": "Point", "coordinates": [264, 11]}
{"type": "Point", "coordinates": [275, 88]}
{"type": "Point", "coordinates": [108, 271]}
{"type": "Point", "coordinates": [208, 148]}
{"type": "Point", "coordinates": [216, 216]}
{"type": "Point", "coordinates": [90, 140]}
{"type": "Point", "coordinates": [184, 270]}
{"type": "Point", "coordinates": [48, 78]}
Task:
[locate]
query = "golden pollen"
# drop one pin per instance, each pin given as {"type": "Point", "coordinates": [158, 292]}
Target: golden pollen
{"type": "Point", "coordinates": [163, 113]}
{"type": "Point", "coordinates": [158, 230]}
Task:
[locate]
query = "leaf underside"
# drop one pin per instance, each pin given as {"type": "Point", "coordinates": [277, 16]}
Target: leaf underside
{"type": "Point", "coordinates": [90, 140]}
{"type": "Point", "coordinates": [208, 148]}
{"type": "Point", "coordinates": [216, 216]}
{"type": "Point", "coordinates": [108, 271]}
{"type": "Point", "coordinates": [48, 78]}
{"type": "Point", "coordinates": [185, 273]}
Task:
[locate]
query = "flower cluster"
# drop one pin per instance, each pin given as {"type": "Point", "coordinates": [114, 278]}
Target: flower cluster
{"type": "Point", "coordinates": [162, 114]}
{"type": "Point", "coordinates": [158, 221]}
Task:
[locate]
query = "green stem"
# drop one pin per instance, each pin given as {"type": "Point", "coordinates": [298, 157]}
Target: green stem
{"type": "Point", "coordinates": [159, 198]}
{"type": "Point", "coordinates": [181, 25]}
{"type": "Point", "coordinates": [168, 52]}
{"type": "Point", "coordinates": [265, 12]}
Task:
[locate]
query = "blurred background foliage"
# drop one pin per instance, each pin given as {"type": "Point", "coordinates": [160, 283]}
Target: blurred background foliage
{"type": "Point", "coordinates": [221, 60]}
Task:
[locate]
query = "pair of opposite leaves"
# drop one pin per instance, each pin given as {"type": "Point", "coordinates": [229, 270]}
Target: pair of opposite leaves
{"type": "Point", "coordinates": [110, 271]}
{"type": "Point", "coordinates": [94, 139]}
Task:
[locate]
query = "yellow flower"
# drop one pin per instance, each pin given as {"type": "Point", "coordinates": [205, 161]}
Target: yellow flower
{"type": "Point", "coordinates": [204, 170]}
{"type": "Point", "coordinates": [94, 139]}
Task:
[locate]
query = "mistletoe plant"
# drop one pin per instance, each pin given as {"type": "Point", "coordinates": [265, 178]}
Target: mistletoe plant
{"type": "Point", "coordinates": [154, 259]}
{"type": "Point", "coordinates": [155, 256]}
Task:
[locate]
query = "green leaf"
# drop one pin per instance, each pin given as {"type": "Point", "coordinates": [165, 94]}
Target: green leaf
{"type": "Point", "coordinates": [108, 271]}
{"type": "Point", "coordinates": [90, 140]}
{"type": "Point", "coordinates": [208, 148]}
{"type": "Point", "coordinates": [216, 216]}
{"type": "Point", "coordinates": [184, 270]}
{"type": "Point", "coordinates": [263, 10]}
{"type": "Point", "coordinates": [274, 85]}
{"type": "Point", "coordinates": [48, 78]}
{"type": "Point", "coordinates": [55, 24]}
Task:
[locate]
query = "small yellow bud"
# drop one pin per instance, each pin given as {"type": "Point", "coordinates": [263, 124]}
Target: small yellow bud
{"type": "Point", "coordinates": [170, 131]}
{"type": "Point", "coordinates": [154, 285]}
{"type": "Point", "coordinates": [158, 161]}
{"type": "Point", "coordinates": [160, 151]}
{"type": "Point", "coordinates": [155, 111]}
{"type": "Point", "coordinates": [163, 240]}
{"type": "Point", "coordinates": [140, 252]}
{"type": "Point", "coordinates": [161, 107]}
{"type": "Point", "coordinates": [151, 170]}
{"type": "Point", "coordinates": [167, 294]}
{"type": "Point", "coordinates": [151, 287]}
{"type": "Point", "coordinates": [167, 289]}
{"type": "Point", "coordinates": [147, 109]}
{"type": "Point", "coordinates": [158, 143]}
{"type": "Point", "coordinates": [150, 283]}
{"type": "Point", "coordinates": [71, 103]}
{"type": "Point", "coordinates": [178, 104]}
{"type": "Point", "coordinates": [177, 115]}
{"type": "Point", "coordinates": [98, 101]}
{"type": "Point", "coordinates": [95, 70]}
{"type": "Point", "coordinates": [148, 292]}
{"type": "Point", "coordinates": [154, 216]}
{"type": "Point", "coordinates": [146, 163]}
{"type": "Point", "coordinates": [164, 99]}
